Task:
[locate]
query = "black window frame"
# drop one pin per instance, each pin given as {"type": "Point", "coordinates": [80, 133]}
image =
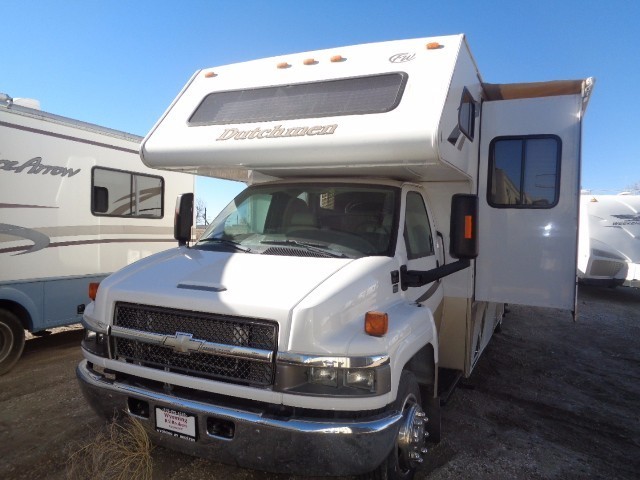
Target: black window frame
{"type": "Point", "coordinates": [467, 98]}
{"type": "Point", "coordinates": [524, 139]}
{"type": "Point", "coordinates": [432, 250]}
{"type": "Point", "coordinates": [131, 175]}
{"type": "Point", "coordinates": [284, 117]}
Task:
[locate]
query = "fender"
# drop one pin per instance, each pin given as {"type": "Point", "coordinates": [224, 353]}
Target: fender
{"type": "Point", "coordinates": [14, 295]}
{"type": "Point", "coordinates": [418, 330]}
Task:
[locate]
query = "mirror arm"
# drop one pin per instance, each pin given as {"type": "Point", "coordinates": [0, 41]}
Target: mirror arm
{"type": "Point", "coordinates": [418, 278]}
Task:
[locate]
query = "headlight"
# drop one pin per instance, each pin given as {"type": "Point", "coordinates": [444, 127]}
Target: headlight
{"type": "Point", "coordinates": [361, 378]}
{"type": "Point", "coordinates": [318, 375]}
{"type": "Point", "coordinates": [345, 381]}
{"type": "Point", "coordinates": [324, 376]}
{"type": "Point", "coordinates": [96, 343]}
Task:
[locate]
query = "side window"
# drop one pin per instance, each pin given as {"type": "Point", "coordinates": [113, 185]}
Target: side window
{"type": "Point", "coordinates": [117, 193]}
{"type": "Point", "coordinates": [467, 114]}
{"type": "Point", "coordinates": [417, 230]}
{"type": "Point", "coordinates": [524, 172]}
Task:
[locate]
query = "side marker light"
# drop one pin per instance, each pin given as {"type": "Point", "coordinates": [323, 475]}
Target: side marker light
{"type": "Point", "coordinates": [93, 290]}
{"type": "Point", "coordinates": [376, 323]}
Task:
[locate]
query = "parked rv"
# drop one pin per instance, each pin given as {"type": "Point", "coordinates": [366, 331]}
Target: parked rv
{"type": "Point", "coordinates": [396, 202]}
{"type": "Point", "coordinates": [609, 244]}
{"type": "Point", "coordinates": [76, 204]}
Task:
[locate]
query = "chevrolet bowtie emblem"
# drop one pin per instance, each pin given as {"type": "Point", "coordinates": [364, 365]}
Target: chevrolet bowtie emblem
{"type": "Point", "coordinates": [183, 343]}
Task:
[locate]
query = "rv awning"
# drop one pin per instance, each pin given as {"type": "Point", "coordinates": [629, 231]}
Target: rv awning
{"type": "Point", "coordinates": [511, 91]}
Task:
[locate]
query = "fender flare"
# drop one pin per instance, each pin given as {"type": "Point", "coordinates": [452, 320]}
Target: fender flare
{"type": "Point", "coordinates": [25, 302]}
{"type": "Point", "coordinates": [420, 331]}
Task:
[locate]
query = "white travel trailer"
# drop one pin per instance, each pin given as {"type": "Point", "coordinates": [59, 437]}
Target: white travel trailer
{"type": "Point", "coordinates": [609, 241]}
{"type": "Point", "coordinates": [396, 203]}
{"type": "Point", "coordinates": [76, 203]}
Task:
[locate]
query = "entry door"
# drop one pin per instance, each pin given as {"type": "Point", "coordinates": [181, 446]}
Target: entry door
{"type": "Point", "coordinates": [529, 199]}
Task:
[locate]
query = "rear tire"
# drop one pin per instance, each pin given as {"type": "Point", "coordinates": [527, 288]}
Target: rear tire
{"type": "Point", "coordinates": [401, 463]}
{"type": "Point", "coordinates": [11, 340]}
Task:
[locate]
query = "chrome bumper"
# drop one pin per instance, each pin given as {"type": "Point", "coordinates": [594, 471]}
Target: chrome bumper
{"type": "Point", "coordinates": [294, 446]}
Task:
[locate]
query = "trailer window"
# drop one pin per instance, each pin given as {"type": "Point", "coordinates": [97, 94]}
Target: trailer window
{"type": "Point", "coordinates": [524, 172]}
{"type": "Point", "coordinates": [328, 98]}
{"type": "Point", "coordinates": [117, 193]}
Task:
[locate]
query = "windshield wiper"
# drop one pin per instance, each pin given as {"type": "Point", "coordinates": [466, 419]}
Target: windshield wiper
{"type": "Point", "coordinates": [311, 247]}
{"type": "Point", "coordinates": [227, 242]}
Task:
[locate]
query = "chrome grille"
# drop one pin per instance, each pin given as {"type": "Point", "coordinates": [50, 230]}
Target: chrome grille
{"type": "Point", "coordinates": [141, 335]}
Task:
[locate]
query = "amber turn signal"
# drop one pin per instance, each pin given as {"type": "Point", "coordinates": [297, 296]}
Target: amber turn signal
{"type": "Point", "coordinates": [468, 227]}
{"type": "Point", "coordinates": [376, 323]}
{"type": "Point", "coordinates": [93, 290]}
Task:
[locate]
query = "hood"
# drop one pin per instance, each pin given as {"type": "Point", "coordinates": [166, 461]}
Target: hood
{"type": "Point", "coordinates": [240, 284]}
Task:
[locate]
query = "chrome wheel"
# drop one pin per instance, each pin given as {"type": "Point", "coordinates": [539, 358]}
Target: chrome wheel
{"type": "Point", "coordinates": [412, 434]}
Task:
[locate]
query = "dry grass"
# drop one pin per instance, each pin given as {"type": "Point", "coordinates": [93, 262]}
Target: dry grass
{"type": "Point", "coordinates": [120, 451]}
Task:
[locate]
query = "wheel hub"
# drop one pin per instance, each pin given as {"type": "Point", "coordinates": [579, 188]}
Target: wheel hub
{"type": "Point", "coordinates": [412, 434]}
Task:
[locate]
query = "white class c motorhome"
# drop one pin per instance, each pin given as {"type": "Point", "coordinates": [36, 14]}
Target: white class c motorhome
{"type": "Point", "coordinates": [609, 240]}
{"type": "Point", "coordinates": [396, 202]}
{"type": "Point", "coordinates": [76, 203]}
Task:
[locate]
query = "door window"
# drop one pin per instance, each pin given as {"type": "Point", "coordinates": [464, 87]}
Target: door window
{"type": "Point", "coordinates": [524, 172]}
{"type": "Point", "coordinates": [417, 230]}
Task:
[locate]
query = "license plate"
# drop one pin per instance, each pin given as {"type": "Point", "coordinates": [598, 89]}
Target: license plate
{"type": "Point", "coordinates": [175, 423]}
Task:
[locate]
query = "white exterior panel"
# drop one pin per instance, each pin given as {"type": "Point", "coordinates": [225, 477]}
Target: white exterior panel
{"type": "Point", "coordinates": [528, 255]}
{"type": "Point", "coordinates": [609, 247]}
{"type": "Point", "coordinates": [401, 143]}
{"type": "Point", "coordinates": [51, 244]}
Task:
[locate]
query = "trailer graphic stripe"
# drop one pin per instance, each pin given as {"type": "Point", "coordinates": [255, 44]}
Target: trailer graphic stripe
{"type": "Point", "coordinates": [41, 237]}
{"type": "Point", "coordinates": [66, 137]}
{"type": "Point", "coordinates": [88, 242]}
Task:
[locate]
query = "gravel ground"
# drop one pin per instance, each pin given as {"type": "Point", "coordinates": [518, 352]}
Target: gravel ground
{"type": "Point", "coordinates": [549, 399]}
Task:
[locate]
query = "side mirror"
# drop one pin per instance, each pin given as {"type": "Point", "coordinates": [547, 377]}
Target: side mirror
{"type": "Point", "coordinates": [183, 220]}
{"type": "Point", "coordinates": [463, 233]}
{"type": "Point", "coordinates": [100, 199]}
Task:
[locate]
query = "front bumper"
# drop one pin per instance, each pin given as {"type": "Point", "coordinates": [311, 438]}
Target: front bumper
{"type": "Point", "coordinates": [259, 440]}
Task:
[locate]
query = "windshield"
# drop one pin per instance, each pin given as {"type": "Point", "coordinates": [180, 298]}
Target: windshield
{"type": "Point", "coordinates": [318, 220]}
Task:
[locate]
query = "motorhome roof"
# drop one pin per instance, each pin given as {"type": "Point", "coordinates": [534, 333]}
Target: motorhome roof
{"type": "Point", "coordinates": [379, 109]}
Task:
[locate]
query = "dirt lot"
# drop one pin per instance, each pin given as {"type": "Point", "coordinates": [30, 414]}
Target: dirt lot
{"type": "Point", "coordinates": [550, 399]}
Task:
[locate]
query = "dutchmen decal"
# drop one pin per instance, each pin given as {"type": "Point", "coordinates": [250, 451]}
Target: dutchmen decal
{"type": "Point", "coordinates": [35, 166]}
{"type": "Point", "coordinates": [276, 132]}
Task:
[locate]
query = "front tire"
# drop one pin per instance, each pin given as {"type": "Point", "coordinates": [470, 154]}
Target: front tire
{"type": "Point", "coordinates": [11, 340]}
{"type": "Point", "coordinates": [405, 456]}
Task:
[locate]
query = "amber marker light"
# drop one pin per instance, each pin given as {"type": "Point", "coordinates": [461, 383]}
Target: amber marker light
{"type": "Point", "coordinates": [468, 227]}
{"type": "Point", "coordinates": [93, 290]}
{"type": "Point", "coordinates": [376, 323]}
{"type": "Point", "coordinates": [283, 65]}
{"type": "Point", "coordinates": [337, 58]}
{"type": "Point", "coordinates": [310, 61]}
{"type": "Point", "coordinates": [433, 46]}
{"type": "Point", "coordinates": [210, 75]}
